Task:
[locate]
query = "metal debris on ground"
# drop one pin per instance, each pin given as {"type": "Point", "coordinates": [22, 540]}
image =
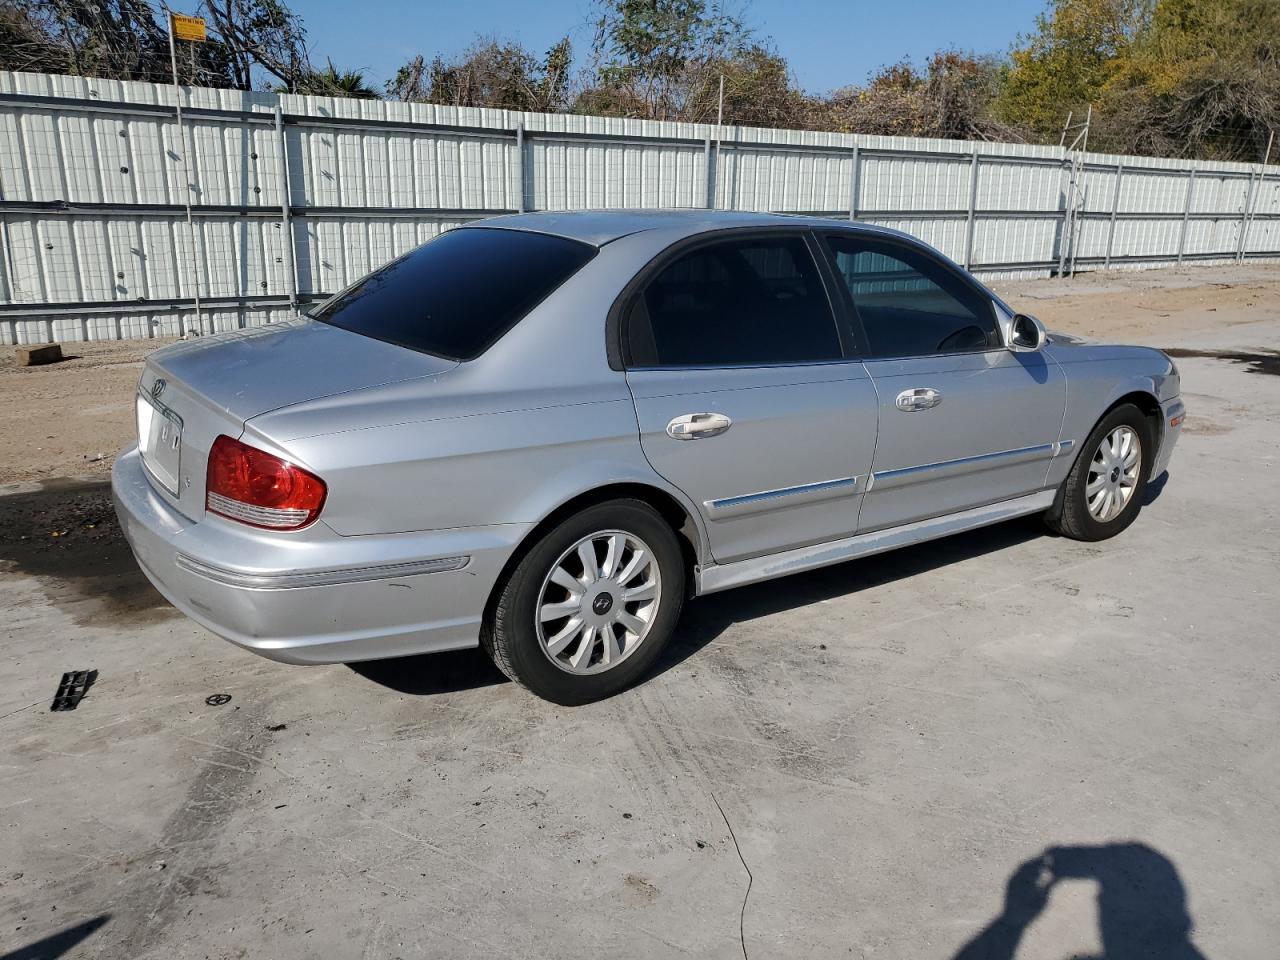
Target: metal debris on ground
{"type": "Point", "coordinates": [75, 684]}
{"type": "Point", "coordinates": [217, 699]}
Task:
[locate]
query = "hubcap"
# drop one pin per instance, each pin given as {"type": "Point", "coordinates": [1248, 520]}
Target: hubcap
{"type": "Point", "coordinates": [1113, 473]}
{"type": "Point", "coordinates": [598, 603]}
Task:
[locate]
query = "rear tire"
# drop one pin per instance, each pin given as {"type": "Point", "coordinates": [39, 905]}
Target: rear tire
{"type": "Point", "coordinates": [590, 607]}
{"type": "Point", "coordinates": [1104, 491]}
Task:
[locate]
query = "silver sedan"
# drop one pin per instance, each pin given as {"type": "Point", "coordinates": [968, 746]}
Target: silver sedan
{"type": "Point", "coordinates": [541, 433]}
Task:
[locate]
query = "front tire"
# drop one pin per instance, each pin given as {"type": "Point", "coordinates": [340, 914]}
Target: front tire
{"type": "Point", "coordinates": [590, 607]}
{"type": "Point", "coordinates": [1104, 491]}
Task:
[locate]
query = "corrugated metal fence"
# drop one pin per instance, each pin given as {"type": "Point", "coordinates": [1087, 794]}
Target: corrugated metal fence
{"type": "Point", "coordinates": [294, 197]}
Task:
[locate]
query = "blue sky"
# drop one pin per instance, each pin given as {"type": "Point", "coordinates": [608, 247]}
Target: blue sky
{"type": "Point", "coordinates": [829, 43]}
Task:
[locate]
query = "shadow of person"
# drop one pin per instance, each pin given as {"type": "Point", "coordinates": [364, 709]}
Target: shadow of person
{"type": "Point", "coordinates": [60, 943]}
{"type": "Point", "coordinates": [1142, 904]}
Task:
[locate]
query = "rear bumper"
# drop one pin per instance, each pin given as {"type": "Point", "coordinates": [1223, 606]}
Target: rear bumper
{"type": "Point", "coordinates": [1172, 410]}
{"type": "Point", "coordinates": [314, 596]}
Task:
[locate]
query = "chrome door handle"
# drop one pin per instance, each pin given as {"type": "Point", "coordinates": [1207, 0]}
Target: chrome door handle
{"type": "Point", "coordinates": [694, 426]}
{"type": "Point", "coordinates": [919, 398]}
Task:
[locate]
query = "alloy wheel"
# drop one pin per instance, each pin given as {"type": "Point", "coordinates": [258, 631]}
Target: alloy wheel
{"type": "Point", "coordinates": [1113, 473]}
{"type": "Point", "coordinates": [598, 603]}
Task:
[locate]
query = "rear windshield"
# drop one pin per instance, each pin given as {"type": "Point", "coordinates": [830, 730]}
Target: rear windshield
{"type": "Point", "coordinates": [457, 295]}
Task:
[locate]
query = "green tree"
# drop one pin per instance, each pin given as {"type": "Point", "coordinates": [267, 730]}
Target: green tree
{"type": "Point", "coordinates": [654, 58]}
{"type": "Point", "coordinates": [332, 82]}
{"type": "Point", "coordinates": [758, 91]}
{"type": "Point", "coordinates": [1078, 47]}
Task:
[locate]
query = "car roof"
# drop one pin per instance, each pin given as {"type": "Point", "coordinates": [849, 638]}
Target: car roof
{"type": "Point", "coordinates": [598, 227]}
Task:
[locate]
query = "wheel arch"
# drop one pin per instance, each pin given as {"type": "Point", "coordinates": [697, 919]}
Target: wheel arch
{"type": "Point", "coordinates": [1144, 400]}
{"type": "Point", "coordinates": [681, 518]}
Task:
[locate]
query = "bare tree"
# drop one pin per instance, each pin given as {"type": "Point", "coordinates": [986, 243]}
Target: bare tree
{"type": "Point", "coordinates": [262, 34]}
{"type": "Point", "coordinates": [126, 40]}
{"type": "Point", "coordinates": [489, 73]}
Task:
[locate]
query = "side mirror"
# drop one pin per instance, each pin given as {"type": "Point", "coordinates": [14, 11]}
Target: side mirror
{"type": "Point", "coordinates": [1026, 334]}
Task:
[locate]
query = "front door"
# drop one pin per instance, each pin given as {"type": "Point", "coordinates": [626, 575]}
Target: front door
{"type": "Point", "coordinates": [964, 421]}
{"type": "Point", "coordinates": [744, 397]}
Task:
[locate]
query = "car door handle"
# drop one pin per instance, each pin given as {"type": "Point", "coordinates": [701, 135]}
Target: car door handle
{"type": "Point", "coordinates": [919, 398]}
{"type": "Point", "coordinates": [694, 426]}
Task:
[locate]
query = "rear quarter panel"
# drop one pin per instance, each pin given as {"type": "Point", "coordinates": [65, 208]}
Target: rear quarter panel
{"type": "Point", "coordinates": [507, 438]}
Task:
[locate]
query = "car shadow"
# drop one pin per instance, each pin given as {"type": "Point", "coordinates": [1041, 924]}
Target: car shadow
{"type": "Point", "coordinates": [1155, 487]}
{"type": "Point", "coordinates": [432, 673]}
{"type": "Point", "coordinates": [1142, 903]}
{"type": "Point", "coordinates": [706, 618]}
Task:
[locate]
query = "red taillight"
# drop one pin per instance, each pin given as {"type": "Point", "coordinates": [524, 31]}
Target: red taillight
{"type": "Point", "coordinates": [256, 488]}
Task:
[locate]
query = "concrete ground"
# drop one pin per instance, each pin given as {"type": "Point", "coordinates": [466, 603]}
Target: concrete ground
{"type": "Point", "coordinates": [1001, 744]}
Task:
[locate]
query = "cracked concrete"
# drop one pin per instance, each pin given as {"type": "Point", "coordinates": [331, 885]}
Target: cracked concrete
{"type": "Point", "coordinates": [1001, 744]}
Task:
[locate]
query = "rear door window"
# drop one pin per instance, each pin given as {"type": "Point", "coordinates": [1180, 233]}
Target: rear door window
{"type": "Point", "coordinates": [753, 301]}
{"type": "Point", "coordinates": [910, 304]}
{"type": "Point", "coordinates": [457, 295]}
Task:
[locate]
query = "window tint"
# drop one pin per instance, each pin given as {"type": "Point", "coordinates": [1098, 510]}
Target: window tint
{"type": "Point", "coordinates": [736, 302]}
{"type": "Point", "coordinates": [911, 305]}
{"type": "Point", "coordinates": [457, 295]}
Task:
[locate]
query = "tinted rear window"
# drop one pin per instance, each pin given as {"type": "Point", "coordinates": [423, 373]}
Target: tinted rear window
{"type": "Point", "coordinates": [457, 295]}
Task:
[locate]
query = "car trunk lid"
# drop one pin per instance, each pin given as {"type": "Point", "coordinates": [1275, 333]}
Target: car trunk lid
{"type": "Point", "coordinates": [191, 392]}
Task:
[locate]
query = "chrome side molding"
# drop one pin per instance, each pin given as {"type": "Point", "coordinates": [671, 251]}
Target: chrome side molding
{"type": "Point", "coordinates": [715, 577]}
{"type": "Point", "coordinates": [317, 578]}
{"type": "Point", "coordinates": [781, 497]}
{"type": "Point", "coordinates": [885, 479]}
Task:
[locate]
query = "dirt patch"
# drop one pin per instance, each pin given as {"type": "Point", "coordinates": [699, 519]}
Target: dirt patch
{"type": "Point", "coordinates": [69, 418]}
{"type": "Point", "coordinates": [1128, 306]}
{"type": "Point", "coordinates": [1205, 427]}
{"type": "Point", "coordinates": [66, 534]}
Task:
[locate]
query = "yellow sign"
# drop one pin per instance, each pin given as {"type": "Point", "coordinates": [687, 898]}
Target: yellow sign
{"type": "Point", "coordinates": [187, 28]}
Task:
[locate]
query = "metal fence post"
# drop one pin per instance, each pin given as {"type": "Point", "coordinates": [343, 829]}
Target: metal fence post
{"type": "Point", "coordinates": [1186, 213]}
{"type": "Point", "coordinates": [520, 199]}
{"type": "Point", "coordinates": [286, 209]}
{"type": "Point", "coordinates": [1064, 189]}
{"type": "Point", "coordinates": [188, 172]}
{"type": "Point", "coordinates": [854, 184]}
{"type": "Point", "coordinates": [1115, 208]}
{"type": "Point", "coordinates": [708, 190]}
{"type": "Point", "coordinates": [1261, 185]}
{"type": "Point", "coordinates": [1244, 221]}
{"type": "Point", "coordinates": [973, 204]}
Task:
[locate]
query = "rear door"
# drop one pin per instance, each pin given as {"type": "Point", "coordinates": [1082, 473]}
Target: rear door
{"type": "Point", "coordinates": [964, 421]}
{"type": "Point", "coordinates": [744, 392]}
